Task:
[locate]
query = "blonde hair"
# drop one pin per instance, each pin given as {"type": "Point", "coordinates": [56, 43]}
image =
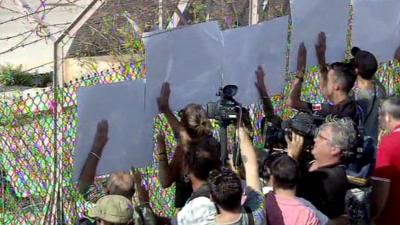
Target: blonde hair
{"type": "Point", "coordinates": [194, 119]}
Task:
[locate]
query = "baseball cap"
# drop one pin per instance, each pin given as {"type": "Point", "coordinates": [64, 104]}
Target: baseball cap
{"type": "Point", "coordinates": [113, 209]}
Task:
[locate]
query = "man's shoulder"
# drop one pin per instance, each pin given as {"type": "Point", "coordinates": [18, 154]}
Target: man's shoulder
{"type": "Point", "coordinates": [299, 208]}
{"type": "Point", "coordinates": [255, 204]}
{"type": "Point", "coordinates": [335, 171]}
{"type": "Point", "coordinates": [200, 210]}
{"type": "Point", "coordinates": [390, 142]}
{"type": "Point", "coordinates": [332, 175]}
{"type": "Point", "coordinates": [199, 204]}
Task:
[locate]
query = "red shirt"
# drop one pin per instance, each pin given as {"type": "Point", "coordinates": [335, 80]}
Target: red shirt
{"type": "Point", "coordinates": [388, 166]}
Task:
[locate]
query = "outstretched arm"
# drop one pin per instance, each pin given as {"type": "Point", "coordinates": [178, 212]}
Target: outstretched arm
{"type": "Point", "coordinates": [249, 160]}
{"type": "Point", "coordinates": [294, 100]}
{"type": "Point", "coordinates": [320, 49]}
{"type": "Point", "coordinates": [163, 107]}
{"type": "Point", "coordinates": [167, 173]}
{"type": "Point", "coordinates": [262, 90]}
{"type": "Point", "coordinates": [88, 172]}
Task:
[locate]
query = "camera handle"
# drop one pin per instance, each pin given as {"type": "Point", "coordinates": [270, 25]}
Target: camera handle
{"type": "Point", "coordinates": [223, 137]}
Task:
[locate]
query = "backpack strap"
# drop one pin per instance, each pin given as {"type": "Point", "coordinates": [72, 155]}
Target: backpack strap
{"type": "Point", "coordinates": [273, 212]}
{"type": "Point", "coordinates": [249, 215]}
{"type": "Point", "coordinates": [372, 105]}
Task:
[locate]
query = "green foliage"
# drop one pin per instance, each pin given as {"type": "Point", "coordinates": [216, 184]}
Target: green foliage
{"type": "Point", "coordinates": [397, 89]}
{"type": "Point", "coordinates": [199, 12]}
{"type": "Point", "coordinates": [13, 76]}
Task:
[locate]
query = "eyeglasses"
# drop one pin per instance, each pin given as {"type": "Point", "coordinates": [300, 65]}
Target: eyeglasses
{"type": "Point", "coordinates": [319, 135]}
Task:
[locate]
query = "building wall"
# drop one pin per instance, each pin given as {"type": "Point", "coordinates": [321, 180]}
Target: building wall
{"type": "Point", "coordinates": [74, 68]}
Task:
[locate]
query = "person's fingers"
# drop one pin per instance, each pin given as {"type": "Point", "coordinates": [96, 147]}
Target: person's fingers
{"type": "Point", "coordinates": [323, 37]}
{"type": "Point", "coordinates": [295, 137]}
{"type": "Point", "coordinates": [167, 88]}
{"type": "Point", "coordinates": [302, 46]}
{"type": "Point", "coordinates": [301, 140]}
{"type": "Point", "coordinates": [287, 139]}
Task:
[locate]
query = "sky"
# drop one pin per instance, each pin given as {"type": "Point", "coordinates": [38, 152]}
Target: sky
{"type": "Point", "coordinates": [16, 32]}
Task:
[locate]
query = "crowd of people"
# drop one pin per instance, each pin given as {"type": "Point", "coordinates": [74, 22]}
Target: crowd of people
{"type": "Point", "coordinates": [290, 187]}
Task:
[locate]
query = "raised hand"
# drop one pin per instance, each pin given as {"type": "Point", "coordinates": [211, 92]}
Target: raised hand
{"type": "Point", "coordinates": [320, 48]}
{"type": "Point", "coordinates": [260, 81]}
{"type": "Point", "coordinates": [301, 60]}
{"type": "Point", "coordinates": [295, 145]}
{"type": "Point", "coordinates": [101, 137]}
{"type": "Point", "coordinates": [163, 100]}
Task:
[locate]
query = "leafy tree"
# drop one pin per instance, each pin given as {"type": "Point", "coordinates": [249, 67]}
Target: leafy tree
{"type": "Point", "coordinates": [14, 76]}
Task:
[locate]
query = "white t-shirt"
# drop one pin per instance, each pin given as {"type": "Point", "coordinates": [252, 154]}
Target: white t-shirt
{"type": "Point", "coordinates": [199, 211]}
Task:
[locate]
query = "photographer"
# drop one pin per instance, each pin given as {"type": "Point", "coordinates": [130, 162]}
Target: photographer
{"type": "Point", "coordinates": [368, 91]}
{"type": "Point", "coordinates": [323, 182]}
{"type": "Point", "coordinates": [336, 83]}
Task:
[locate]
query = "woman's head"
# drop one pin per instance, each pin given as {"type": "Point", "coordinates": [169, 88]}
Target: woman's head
{"type": "Point", "coordinates": [194, 119]}
{"type": "Point", "coordinates": [202, 157]}
{"type": "Point", "coordinates": [365, 63]}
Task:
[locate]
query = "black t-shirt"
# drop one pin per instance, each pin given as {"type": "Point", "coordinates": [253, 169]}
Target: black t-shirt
{"type": "Point", "coordinates": [326, 189]}
{"type": "Point", "coordinates": [183, 191]}
{"type": "Point", "coordinates": [346, 108]}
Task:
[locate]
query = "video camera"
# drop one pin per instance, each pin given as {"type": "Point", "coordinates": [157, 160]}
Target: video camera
{"type": "Point", "coordinates": [228, 111]}
{"type": "Point", "coordinates": [306, 125]}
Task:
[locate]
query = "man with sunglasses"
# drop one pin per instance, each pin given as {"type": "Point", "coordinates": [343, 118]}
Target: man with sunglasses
{"type": "Point", "coordinates": [323, 181]}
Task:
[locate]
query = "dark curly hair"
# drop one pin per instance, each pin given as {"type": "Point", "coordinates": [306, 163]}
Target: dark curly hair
{"type": "Point", "coordinates": [202, 157]}
{"type": "Point", "coordinates": [226, 188]}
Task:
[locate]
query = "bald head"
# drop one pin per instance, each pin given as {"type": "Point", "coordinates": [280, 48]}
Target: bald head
{"type": "Point", "coordinates": [121, 183]}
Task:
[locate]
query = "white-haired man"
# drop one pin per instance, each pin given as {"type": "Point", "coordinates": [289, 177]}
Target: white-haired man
{"type": "Point", "coordinates": [324, 181]}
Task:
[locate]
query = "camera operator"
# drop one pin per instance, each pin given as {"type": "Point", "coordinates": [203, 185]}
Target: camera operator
{"type": "Point", "coordinates": [323, 181]}
{"type": "Point", "coordinates": [336, 83]}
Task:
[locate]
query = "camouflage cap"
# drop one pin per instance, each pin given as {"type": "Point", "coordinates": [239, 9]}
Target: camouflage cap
{"type": "Point", "coordinates": [113, 209]}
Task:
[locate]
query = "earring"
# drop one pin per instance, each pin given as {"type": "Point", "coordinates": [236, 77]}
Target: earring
{"type": "Point", "coordinates": [186, 178]}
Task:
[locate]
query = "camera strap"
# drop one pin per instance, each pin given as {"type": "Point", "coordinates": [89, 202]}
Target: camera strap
{"type": "Point", "coordinates": [372, 105]}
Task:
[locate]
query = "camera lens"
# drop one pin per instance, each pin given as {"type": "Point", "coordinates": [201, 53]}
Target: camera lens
{"type": "Point", "coordinates": [229, 90]}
